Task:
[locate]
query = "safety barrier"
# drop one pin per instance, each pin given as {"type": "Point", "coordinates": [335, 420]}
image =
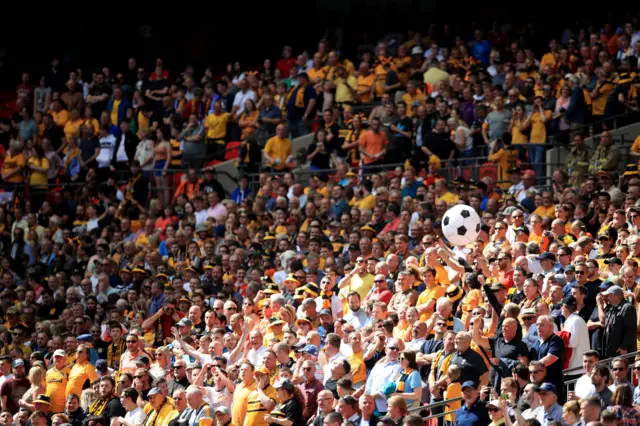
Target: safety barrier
{"type": "Point", "coordinates": [606, 362]}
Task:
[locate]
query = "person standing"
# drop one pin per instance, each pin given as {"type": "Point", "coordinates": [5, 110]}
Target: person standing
{"type": "Point", "coordinates": [56, 381]}
{"type": "Point", "coordinates": [12, 389]}
{"type": "Point", "coordinates": [619, 320]}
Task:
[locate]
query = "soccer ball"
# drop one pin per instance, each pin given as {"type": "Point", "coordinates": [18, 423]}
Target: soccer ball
{"type": "Point", "coordinates": [461, 225]}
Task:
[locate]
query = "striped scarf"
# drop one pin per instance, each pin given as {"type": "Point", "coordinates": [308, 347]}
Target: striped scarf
{"type": "Point", "coordinates": [402, 378]}
{"type": "Point", "coordinates": [440, 371]}
{"type": "Point", "coordinates": [98, 406]}
{"type": "Point", "coordinates": [326, 299]}
{"type": "Point", "coordinates": [114, 352]}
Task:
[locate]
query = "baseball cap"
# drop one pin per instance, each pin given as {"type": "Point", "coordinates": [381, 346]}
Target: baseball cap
{"type": "Point", "coordinates": [469, 384]}
{"type": "Point", "coordinates": [605, 285]}
{"type": "Point", "coordinates": [325, 312]}
{"type": "Point", "coordinates": [42, 399]}
{"type": "Point", "coordinates": [142, 360]}
{"type": "Point", "coordinates": [101, 365]}
{"type": "Point", "coordinates": [613, 261]}
{"type": "Point", "coordinates": [547, 255]}
{"type": "Point", "coordinates": [285, 384]}
{"type": "Point", "coordinates": [494, 403]}
{"type": "Point", "coordinates": [17, 363]}
{"type": "Point", "coordinates": [569, 268]}
{"type": "Point", "coordinates": [223, 409]}
{"type": "Point", "coordinates": [59, 352]}
{"type": "Point", "coordinates": [570, 301]}
{"type": "Point", "coordinates": [528, 312]}
{"type": "Point", "coordinates": [614, 289]}
{"type": "Point", "coordinates": [309, 349]}
{"type": "Point", "coordinates": [547, 387]}
{"type": "Point", "coordinates": [155, 391]}
{"type": "Point", "coordinates": [184, 322]}
{"type": "Point", "coordinates": [262, 369]}
{"type": "Point", "coordinates": [497, 287]}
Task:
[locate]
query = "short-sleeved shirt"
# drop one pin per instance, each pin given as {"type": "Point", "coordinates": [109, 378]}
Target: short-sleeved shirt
{"type": "Point", "coordinates": [78, 375]}
{"type": "Point", "coordinates": [14, 389]}
{"type": "Point", "coordinates": [471, 364]}
{"type": "Point", "coordinates": [509, 350]}
{"type": "Point", "coordinates": [11, 163]}
{"type": "Point", "coordinates": [240, 400]}
{"type": "Point", "coordinates": [216, 125]}
{"type": "Point", "coordinates": [56, 381]}
{"type": "Point", "coordinates": [429, 294]}
{"type": "Point", "coordinates": [554, 345]}
{"type": "Point", "coordinates": [373, 143]}
{"type": "Point", "coordinates": [255, 410]}
{"type": "Point", "coordinates": [292, 411]}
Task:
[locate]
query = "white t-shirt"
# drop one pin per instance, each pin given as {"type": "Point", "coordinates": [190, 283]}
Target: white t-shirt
{"type": "Point", "coordinates": [135, 417]}
{"type": "Point", "coordinates": [121, 155]}
{"type": "Point", "coordinates": [107, 145]}
{"type": "Point", "coordinates": [240, 99]}
{"type": "Point", "coordinates": [579, 342]}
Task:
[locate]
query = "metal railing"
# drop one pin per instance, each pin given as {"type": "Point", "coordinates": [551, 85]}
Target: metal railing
{"type": "Point", "coordinates": [606, 362]}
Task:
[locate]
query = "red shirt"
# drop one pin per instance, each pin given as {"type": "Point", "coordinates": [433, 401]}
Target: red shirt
{"type": "Point", "coordinates": [284, 65]}
{"type": "Point", "coordinates": [506, 279]}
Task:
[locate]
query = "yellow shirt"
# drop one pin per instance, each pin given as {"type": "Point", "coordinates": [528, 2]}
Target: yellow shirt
{"type": "Point", "coordinates": [278, 148]}
{"type": "Point", "coordinates": [240, 401]}
{"type": "Point", "coordinates": [434, 293]}
{"type": "Point", "coordinates": [255, 409]}
{"type": "Point", "coordinates": [518, 136]}
{"type": "Point", "coordinates": [636, 145]}
{"type": "Point", "coordinates": [442, 276]}
{"type": "Point", "coordinates": [505, 159]}
{"type": "Point", "coordinates": [12, 163]}
{"type": "Point", "coordinates": [543, 211]}
{"type": "Point", "coordinates": [449, 198]}
{"type": "Point", "coordinates": [368, 202]}
{"type": "Point", "coordinates": [360, 285]}
{"type": "Point", "coordinates": [538, 128]}
{"type": "Point", "coordinates": [56, 381]}
{"type": "Point", "coordinates": [163, 417]}
{"type": "Point", "coordinates": [268, 336]}
{"type": "Point", "coordinates": [363, 84]}
{"type": "Point", "coordinates": [72, 128]}
{"type": "Point", "coordinates": [358, 369]}
{"type": "Point", "coordinates": [470, 301]}
{"type": "Point", "coordinates": [36, 178]}
{"type": "Point", "coordinates": [454, 390]}
{"type": "Point", "coordinates": [342, 91]}
{"type": "Point", "coordinates": [92, 122]}
{"type": "Point", "coordinates": [599, 102]}
{"type": "Point", "coordinates": [78, 375]}
{"type": "Point", "coordinates": [409, 100]}
{"type": "Point", "coordinates": [114, 112]}
{"type": "Point", "coordinates": [60, 118]}
{"type": "Point", "coordinates": [216, 125]}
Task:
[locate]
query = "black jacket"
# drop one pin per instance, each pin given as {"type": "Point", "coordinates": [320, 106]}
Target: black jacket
{"type": "Point", "coordinates": [619, 329]}
{"type": "Point", "coordinates": [130, 143]}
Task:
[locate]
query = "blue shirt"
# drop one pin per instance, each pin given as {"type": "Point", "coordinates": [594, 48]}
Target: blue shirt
{"type": "Point", "coordinates": [476, 415]}
{"type": "Point", "coordinates": [339, 208]}
{"type": "Point", "coordinates": [239, 195]}
{"type": "Point", "coordinates": [411, 190]}
{"type": "Point", "coordinates": [156, 304]}
{"type": "Point", "coordinates": [547, 417]}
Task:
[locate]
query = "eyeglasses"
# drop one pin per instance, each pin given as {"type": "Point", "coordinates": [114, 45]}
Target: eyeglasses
{"type": "Point", "coordinates": [393, 348]}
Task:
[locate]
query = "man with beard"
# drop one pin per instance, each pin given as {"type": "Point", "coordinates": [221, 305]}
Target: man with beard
{"type": "Point", "coordinates": [108, 404]}
{"type": "Point", "coordinates": [73, 411]}
{"type": "Point", "coordinates": [13, 389]}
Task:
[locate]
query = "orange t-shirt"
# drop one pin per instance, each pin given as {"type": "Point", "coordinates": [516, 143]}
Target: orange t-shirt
{"type": "Point", "coordinates": [373, 143]}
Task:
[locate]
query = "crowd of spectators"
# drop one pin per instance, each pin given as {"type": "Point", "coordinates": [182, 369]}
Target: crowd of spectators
{"type": "Point", "coordinates": [334, 301]}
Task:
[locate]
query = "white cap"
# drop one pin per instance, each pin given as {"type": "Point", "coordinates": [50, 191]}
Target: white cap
{"type": "Point", "coordinates": [59, 352]}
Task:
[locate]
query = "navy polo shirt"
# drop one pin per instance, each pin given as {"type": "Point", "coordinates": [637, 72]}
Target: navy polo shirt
{"type": "Point", "coordinates": [476, 415]}
{"type": "Point", "coordinates": [554, 345]}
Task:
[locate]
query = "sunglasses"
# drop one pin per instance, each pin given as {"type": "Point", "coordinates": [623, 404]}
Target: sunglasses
{"type": "Point", "coordinates": [618, 369]}
{"type": "Point", "coordinates": [401, 358]}
{"type": "Point", "coordinates": [132, 341]}
{"type": "Point", "coordinates": [18, 334]}
{"type": "Point", "coordinates": [527, 318]}
{"type": "Point", "coordinates": [233, 308]}
{"type": "Point", "coordinates": [493, 409]}
{"type": "Point", "coordinates": [393, 348]}
{"type": "Point", "coordinates": [441, 324]}
{"type": "Point", "coordinates": [140, 376]}
{"type": "Point", "coordinates": [517, 216]}
{"type": "Point", "coordinates": [359, 261]}
{"type": "Point", "coordinates": [580, 272]}
{"type": "Point", "coordinates": [378, 281]}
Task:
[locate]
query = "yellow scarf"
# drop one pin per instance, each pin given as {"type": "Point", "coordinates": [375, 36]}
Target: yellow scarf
{"type": "Point", "coordinates": [445, 364]}
{"type": "Point", "coordinates": [98, 406]}
{"type": "Point", "coordinates": [402, 378]}
{"type": "Point", "coordinates": [299, 94]}
{"type": "Point", "coordinates": [326, 299]}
